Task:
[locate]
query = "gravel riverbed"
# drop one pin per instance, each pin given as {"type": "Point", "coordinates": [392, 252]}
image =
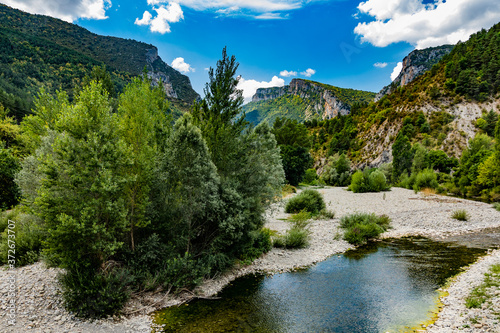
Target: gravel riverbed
{"type": "Point", "coordinates": [39, 306]}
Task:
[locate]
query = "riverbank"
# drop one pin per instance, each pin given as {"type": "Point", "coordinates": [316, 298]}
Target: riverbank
{"type": "Point", "coordinates": [39, 307]}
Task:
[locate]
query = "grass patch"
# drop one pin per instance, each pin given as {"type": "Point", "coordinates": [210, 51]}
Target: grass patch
{"type": "Point", "coordinates": [297, 237]}
{"type": "Point", "coordinates": [428, 191]}
{"type": "Point", "coordinates": [360, 227]}
{"type": "Point", "coordinates": [496, 205]}
{"type": "Point", "coordinates": [460, 214]}
{"type": "Point", "coordinates": [482, 293]}
{"type": "Point", "coordinates": [309, 200]}
{"type": "Point", "coordinates": [288, 190]}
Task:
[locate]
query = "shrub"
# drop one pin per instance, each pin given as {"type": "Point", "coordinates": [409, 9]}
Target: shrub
{"type": "Point", "coordinates": [294, 238]}
{"type": "Point", "coordinates": [310, 176]}
{"type": "Point", "coordinates": [425, 179]}
{"type": "Point", "coordinates": [377, 181]}
{"type": "Point", "coordinates": [361, 226]}
{"type": "Point", "coordinates": [460, 215]}
{"type": "Point", "coordinates": [358, 182]}
{"type": "Point", "coordinates": [29, 234]}
{"type": "Point", "coordinates": [370, 180]}
{"type": "Point", "coordinates": [94, 295]}
{"type": "Point", "coordinates": [309, 200]}
{"type": "Point", "coordinates": [496, 205]}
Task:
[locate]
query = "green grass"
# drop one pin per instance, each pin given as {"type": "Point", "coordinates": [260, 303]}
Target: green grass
{"type": "Point", "coordinates": [481, 294]}
{"type": "Point", "coordinates": [297, 237]}
{"type": "Point", "coordinates": [460, 215]}
{"type": "Point", "coordinates": [360, 227]}
{"type": "Point", "coordinates": [496, 205]}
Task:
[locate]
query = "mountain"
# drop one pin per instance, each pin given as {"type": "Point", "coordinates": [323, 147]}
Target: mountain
{"type": "Point", "coordinates": [415, 64]}
{"type": "Point", "coordinates": [40, 51]}
{"type": "Point", "coordinates": [443, 105]}
{"type": "Point", "coordinates": [303, 100]}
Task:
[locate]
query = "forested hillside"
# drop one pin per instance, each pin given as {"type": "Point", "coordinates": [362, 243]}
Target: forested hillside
{"type": "Point", "coordinates": [39, 51]}
{"type": "Point", "coordinates": [303, 100]}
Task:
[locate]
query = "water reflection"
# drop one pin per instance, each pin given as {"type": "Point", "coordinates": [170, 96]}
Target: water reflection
{"type": "Point", "coordinates": [382, 287]}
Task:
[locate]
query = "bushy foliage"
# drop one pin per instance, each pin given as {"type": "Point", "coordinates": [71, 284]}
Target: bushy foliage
{"type": "Point", "coordinates": [308, 200]}
{"type": "Point", "coordinates": [310, 176]}
{"type": "Point", "coordinates": [426, 178]}
{"type": "Point", "coordinates": [460, 214]}
{"type": "Point", "coordinates": [360, 227]}
{"type": "Point", "coordinates": [369, 180]}
{"type": "Point", "coordinates": [337, 171]}
{"type": "Point", "coordinates": [29, 234]}
{"type": "Point", "coordinates": [88, 294]}
{"type": "Point", "coordinates": [296, 160]}
{"type": "Point", "coordinates": [170, 205]}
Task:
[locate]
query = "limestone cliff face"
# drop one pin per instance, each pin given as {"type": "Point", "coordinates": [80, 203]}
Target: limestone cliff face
{"type": "Point", "coordinates": [321, 99]}
{"type": "Point", "coordinates": [415, 64]}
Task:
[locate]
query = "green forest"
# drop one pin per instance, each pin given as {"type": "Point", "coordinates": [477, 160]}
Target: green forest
{"type": "Point", "coordinates": [42, 52]}
{"type": "Point", "coordinates": [131, 200]}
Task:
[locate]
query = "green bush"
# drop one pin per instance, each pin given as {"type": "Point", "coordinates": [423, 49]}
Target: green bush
{"type": "Point", "coordinates": [496, 205]}
{"type": "Point", "coordinates": [262, 244]}
{"type": "Point", "coordinates": [294, 238]}
{"type": "Point", "coordinates": [358, 182]}
{"type": "Point", "coordinates": [425, 179]}
{"type": "Point", "coordinates": [377, 181]}
{"type": "Point", "coordinates": [460, 215]}
{"type": "Point", "coordinates": [310, 176]}
{"type": "Point", "coordinates": [361, 226]}
{"type": "Point", "coordinates": [370, 180]}
{"type": "Point", "coordinates": [88, 294]}
{"type": "Point", "coordinates": [309, 200]}
{"type": "Point", "coordinates": [29, 233]}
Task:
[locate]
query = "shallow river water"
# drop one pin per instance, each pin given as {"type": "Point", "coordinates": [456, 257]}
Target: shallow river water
{"type": "Point", "coordinates": [386, 286]}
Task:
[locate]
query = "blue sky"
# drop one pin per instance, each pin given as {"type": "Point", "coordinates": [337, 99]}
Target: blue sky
{"type": "Point", "coordinates": [349, 44]}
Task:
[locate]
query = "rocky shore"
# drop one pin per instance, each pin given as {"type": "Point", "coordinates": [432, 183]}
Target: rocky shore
{"type": "Point", "coordinates": [39, 307]}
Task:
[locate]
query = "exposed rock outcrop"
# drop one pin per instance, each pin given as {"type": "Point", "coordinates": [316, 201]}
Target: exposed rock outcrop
{"type": "Point", "coordinates": [415, 64]}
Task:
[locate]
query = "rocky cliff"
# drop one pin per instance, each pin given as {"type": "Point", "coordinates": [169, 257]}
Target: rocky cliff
{"type": "Point", "coordinates": [415, 64]}
{"type": "Point", "coordinates": [303, 100]}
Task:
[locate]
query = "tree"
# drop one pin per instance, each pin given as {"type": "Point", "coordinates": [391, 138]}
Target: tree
{"type": "Point", "coordinates": [217, 114]}
{"type": "Point", "coordinates": [81, 197]}
{"type": "Point", "coordinates": [401, 155]}
{"type": "Point", "coordinates": [192, 206]}
{"type": "Point", "coordinates": [143, 126]}
{"type": "Point", "coordinates": [290, 132]}
{"type": "Point", "coordinates": [296, 160]}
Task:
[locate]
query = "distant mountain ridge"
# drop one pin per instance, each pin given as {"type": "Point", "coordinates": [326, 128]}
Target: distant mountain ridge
{"type": "Point", "coordinates": [415, 64]}
{"type": "Point", "coordinates": [50, 44]}
{"type": "Point", "coordinates": [303, 100]}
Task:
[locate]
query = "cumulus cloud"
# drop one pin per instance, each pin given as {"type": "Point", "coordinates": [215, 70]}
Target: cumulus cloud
{"type": "Point", "coordinates": [181, 65]}
{"type": "Point", "coordinates": [380, 64]}
{"type": "Point", "coordinates": [425, 25]}
{"type": "Point", "coordinates": [308, 72]}
{"type": "Point", "coordinates": [286, 73]}
{"type": "Point", "coordinates": [249, 87]}
{"type": "Point", "coordinates": [171, 13]}
{"type": "Point", "coordinates": [67, 10]}
{"type": "Point", "coordinates": [396, 71]}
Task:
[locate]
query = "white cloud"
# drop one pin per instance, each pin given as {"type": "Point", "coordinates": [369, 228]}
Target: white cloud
{"type": "Point", "coordinates": [425, 25]}
{"type": "Point", "coordinates": [308, 72]}
{"type": "Point", "coordinates": [146, 19]}
{"type": "Point", "coordinates": [380, 64]}
{"type": "Point", "coordinates": [249, 87]}
{"type": "Point", "coordinates": [172, 13]}
{"type": "Point", "coordinates": [257, 9]}
{"type": "Point", "coordinates": [181, 65]}
{"type": "Point", "coordinates": [67, 10]}
{"type": "Point", "coordinates": [396, 71]}
{"type": "Point", "coordinates": [286, 73]}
